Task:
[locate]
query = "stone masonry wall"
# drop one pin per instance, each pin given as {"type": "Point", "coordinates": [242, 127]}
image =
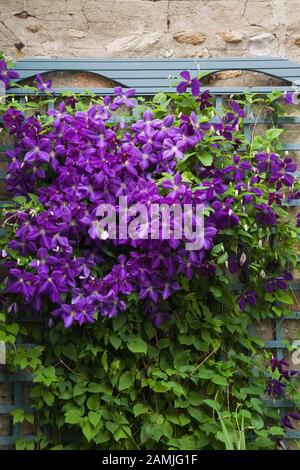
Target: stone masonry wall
{"type": "Point", "coordinates": [150, 28]}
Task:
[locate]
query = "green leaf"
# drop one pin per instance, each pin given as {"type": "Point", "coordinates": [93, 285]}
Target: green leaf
{"type": "Point", "coordinates": [34, 198]}
{"type": "Point", "coordinates": [205, 373]}
{"type": "Point", "coordinates": [264, 442]}
{"type": "Point", "coordinates": [118, 322]}
{"type": "Point", "coordinates": [277, 431]}
{"type": "Point", "coordinates": [101, 437]}
{"type": "Point", "coordinates": [159, 98]}
{"type": "Point", "coordinates": [136, 345]}
{"type": "Point", "coordinates": [222, 258]}
{"type": "Point", "coordinates": [160, 387]}
{"type": "Point", "coordinates": [18, 415]}
{"type": "Point", "coordinates": [205, 158]}
{"type": "Point", "coordinates": [274, 95]}
{"type": "Point", "coordinates": [194, 398]}
{"type": "Point", "coordinates": [93, 387]}
{"type": "Point", "coordinates": [126, 380]}
{"type": "Point", "coordinates": [115, 341]}
{"type": "Point", "coordinates": [104, 361]}
{"type": "Point", "coordinates": [93, 403]}
{"type": "Point", "coordinates": [284, 297]}
{"type": "Point", "coordinates": [13, 328]}
{"type": "Point", "coordinates": [140, 409]}
{"type": "Point", "coordinates": [72, 416]}
{"type": "Point", "coordinates": [89, 431]}
{"type": "Point", "coordinates": [94, 418]}
{"type": "Point", "coordinates": [273, 133]}
{"type": "Point", "coordinates": [163, 343]}
{"type": "Point", "coordinates": [20, 199]}
{"type": "Point", "coordinates": [212, 404]}
{"type": "Point", "coordinates": [219, 380]}
{"type": "Point", "coordinates": [257, 421]}
{"type": "Point", "coordinates": [182, 359]}
{"type": "Point", "coordinates": [79, 389]}
{"type": "Point", "coordinates": [216, 292]}
{"type": "Point", "coordinates": [48, 398]}
{"type": "Point", "coordinates": [70, 351]}
{"type": "Point", "coordinates": [197, 414]}
{"type": "Point", "coordinates": [256, 404]}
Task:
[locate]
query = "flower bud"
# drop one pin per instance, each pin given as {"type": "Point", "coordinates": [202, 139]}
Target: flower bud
{"type": "Point", "coordinates": [243, 259]}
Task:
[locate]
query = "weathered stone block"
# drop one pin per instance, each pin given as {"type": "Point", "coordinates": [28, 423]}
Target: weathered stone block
{"type": "Point", "coordinates": [192, 37]}
{"type": "Point", "coordinates": [231, 37]}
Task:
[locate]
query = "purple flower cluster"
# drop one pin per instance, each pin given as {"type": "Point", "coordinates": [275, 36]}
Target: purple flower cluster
{"type": "Point", "coordinates": [90, 157]}
{"type": "Point", "coordinates": [276, 388]}
{"type": "Point", "coordinates": [82, 162]}
{"type": "Point", "coordinates": [6, 74]}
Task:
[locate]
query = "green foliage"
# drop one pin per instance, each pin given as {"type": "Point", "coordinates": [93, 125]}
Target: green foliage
{"type": "Point", "coordinates": [150, 389]}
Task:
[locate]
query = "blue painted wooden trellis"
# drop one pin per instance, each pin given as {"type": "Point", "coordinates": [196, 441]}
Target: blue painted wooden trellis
{"type": "Point", "coordinates": [149, 76]}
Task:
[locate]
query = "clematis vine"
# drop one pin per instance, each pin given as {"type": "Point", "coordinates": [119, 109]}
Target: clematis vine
{"type": "Point", "coordinates": [80, 156]}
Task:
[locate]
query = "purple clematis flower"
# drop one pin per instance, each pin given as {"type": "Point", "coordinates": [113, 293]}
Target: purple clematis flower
{"type": "Point", "coordinates": [247, 298]}
{"type": "Point", "coordinates": [265, 215]}
{"type": "Point", "coordinates": [291, 97]}
{"type": "Point", "coordinates": [275, 387]}
{"type": "Point", "coordinates": [123, 97]}
{"type": "Point", "coordinates": [238, 169]}
{"type": "Point", "coordinates": [24, 283]}
{"type": "Point", "coordinates": [188, 82]}
{"type": "Point", "coordinates": [288, 418]}
{"type": "Point", "coordinates": [39, 151]}
{"type": "Point", "coordinates": [6, 74]}
{"type": "Point", "coordinates": [43, 85]}
{"type": "Point", "coordinates": [279, 282]}
{"type": "Point", "coordinates": [173, 149]}
{"type": "Point", "coordinates": [278, 364]}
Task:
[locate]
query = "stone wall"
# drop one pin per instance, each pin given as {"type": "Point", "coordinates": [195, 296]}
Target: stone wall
{"type": "Point", "coordinates": [150, 28]}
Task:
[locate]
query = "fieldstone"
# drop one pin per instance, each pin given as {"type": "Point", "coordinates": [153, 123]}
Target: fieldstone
{"type": "Point", "coordinates": [231, 37]}
{"type": "Point", "coordinates": [262, 44]}
{"type": "Point", "coordinates": [297, 42]}
{"type": "Point", "coordinates": [132, 43]}
{"type": "Point", "coordinates": [189, 37]}
{"type": "Point", "coordinates": [224, 75]}
{"type": "Point", "coordinates": [76, 33]}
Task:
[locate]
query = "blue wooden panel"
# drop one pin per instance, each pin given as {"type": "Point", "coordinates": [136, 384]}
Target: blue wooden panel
{"type": "Point", "coordinates": [149, 74]}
